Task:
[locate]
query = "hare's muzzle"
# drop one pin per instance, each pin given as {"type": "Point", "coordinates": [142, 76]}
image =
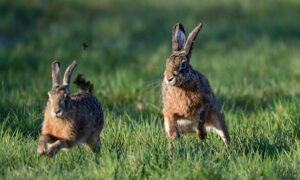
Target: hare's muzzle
{"type": "Point", "coordinates": [57, 113]}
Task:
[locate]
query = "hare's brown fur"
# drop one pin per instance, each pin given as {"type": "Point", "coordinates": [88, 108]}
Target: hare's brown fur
{"type": "Point", "coordinates": [189, 102]}
{"type": "Point", "coordinates": [81, 120]}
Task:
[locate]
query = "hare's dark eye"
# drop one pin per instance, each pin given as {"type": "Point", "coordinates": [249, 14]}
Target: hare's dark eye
{"type": "Point", "coordinates": [62, 101]}
{"type": "Point", "coordinates": [183, 65]}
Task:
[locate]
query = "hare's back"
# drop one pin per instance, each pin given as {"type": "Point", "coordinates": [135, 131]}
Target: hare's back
{"type": "Point", "coordinates": [87, 105]}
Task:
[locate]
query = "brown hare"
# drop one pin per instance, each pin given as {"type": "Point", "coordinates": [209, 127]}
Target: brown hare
{"type": "Point", "coordinates": [69, 119]}
{"type": "Point", "coordinates": [189, 104]}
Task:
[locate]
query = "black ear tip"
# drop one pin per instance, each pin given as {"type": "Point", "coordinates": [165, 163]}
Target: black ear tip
{"type": "Point", "coordinates": [178, 26]}
{"type": "Point", "coordinates": [181, 27]}
{"type": "Point", "coordinates": [56, 62]}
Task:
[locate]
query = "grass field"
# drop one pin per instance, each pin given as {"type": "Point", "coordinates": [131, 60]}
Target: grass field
{"type": "Point", "coordinates": [249, 51]}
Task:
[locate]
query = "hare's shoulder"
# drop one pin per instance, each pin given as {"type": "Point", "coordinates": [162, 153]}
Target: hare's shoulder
{"type": "Point", "coordinates": [80, 96]}
{"type": "Point", "coordinates": [83, 96]}
{"type": "Point", "coordinates": [202, 82]}
{"type": "Point", "coordinates": [206, 90]}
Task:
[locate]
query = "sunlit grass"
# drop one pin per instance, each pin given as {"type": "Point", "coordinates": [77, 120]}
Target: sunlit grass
{"type": "Point", "coordinates": [248, 50]}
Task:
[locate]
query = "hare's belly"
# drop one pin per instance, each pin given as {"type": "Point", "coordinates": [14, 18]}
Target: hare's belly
{"type": "Point", "coordinates": [187, 125]}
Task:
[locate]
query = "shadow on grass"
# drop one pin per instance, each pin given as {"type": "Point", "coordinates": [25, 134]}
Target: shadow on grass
{"type": "Point", "coordinates": [264, 147]}
{"type": "Point", "coordinates": [250, 104]}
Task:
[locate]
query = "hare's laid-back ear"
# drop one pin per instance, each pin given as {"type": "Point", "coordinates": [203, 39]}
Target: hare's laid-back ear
{"type": "Point", "coordinates": [178, 37]}
{"type": "Point", "coordinates": [68, 74]}
{"type": "Point", "coordinates": [55, 74]}
{"type": "Point", "coordinates": [190, 40]}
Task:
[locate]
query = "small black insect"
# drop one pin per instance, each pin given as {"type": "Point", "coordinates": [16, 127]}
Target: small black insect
{"type": "Point", "coordinates": [84, 46]}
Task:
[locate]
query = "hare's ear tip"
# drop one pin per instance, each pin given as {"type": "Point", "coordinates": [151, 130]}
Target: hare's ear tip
{"type": "Point", "coordinates": [178, 24]}
{"type": "Point", "coordinates": [200, 24]}
{"type": "Point", "coordinates": [55, 62]}
{"type": "Point", "coordinates": [74, 62]}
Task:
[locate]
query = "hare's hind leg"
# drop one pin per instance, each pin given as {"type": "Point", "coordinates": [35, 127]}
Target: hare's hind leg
{"type": "Point", "coordinates": [216, 123]}
{"type": "Point", "coordinates": [93, 142]}
{"type": "Point", "coordinates": [201, 130]}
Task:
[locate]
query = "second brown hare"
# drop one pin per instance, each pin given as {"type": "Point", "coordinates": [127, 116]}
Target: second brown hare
{"type": "Point", "coordinates": [189, 104]}
{"type": "Point", "coordinates": [69, 119]}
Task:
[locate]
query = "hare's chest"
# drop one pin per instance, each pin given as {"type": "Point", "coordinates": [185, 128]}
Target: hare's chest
{"type": "Point", "coordinates": [182, 102]}
{"type": "Point", "coordinates": [60, 129]}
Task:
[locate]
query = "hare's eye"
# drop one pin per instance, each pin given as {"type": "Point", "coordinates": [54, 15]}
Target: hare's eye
{"type": "Point", "coordinates": [183, 65]}
{"type": "Point", "coordinates": [63, 100]}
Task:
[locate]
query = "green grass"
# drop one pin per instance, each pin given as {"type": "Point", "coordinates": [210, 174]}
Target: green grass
{"type": "Point", "coordinates": [248, 50]}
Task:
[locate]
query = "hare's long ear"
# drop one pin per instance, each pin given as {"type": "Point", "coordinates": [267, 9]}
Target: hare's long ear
{"type": "Point", "coordinates": [190, 40]}
{"type": "Point", "coordinates": [68, 74]}
{"type": "Point", "coordinates": [178, 37]}
{"type": "Point", "coordinates": [55, 74]}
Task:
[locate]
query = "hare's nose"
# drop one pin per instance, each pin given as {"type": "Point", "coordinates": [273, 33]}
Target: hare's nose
{"type": "Point", "coordinates": [58, 111]}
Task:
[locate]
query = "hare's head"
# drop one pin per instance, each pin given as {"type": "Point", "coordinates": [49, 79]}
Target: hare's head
{"type": "Point", "coordinates": [59, 94]}
{"type": "Point", "coordinates": [178, 70]}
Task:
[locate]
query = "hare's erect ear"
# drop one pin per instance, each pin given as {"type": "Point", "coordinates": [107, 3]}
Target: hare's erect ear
{"type": "Point", "coordinates": [68, 74]}
{"type": "Point", "coordinates": [55, 74]}
{"type": "Point", "coordinates": [190, 40]}
{"type": "Point", "coordinates": [178, 37]}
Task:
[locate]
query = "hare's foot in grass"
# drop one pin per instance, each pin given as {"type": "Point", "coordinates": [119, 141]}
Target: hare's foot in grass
{"type": "Point", "coordinates": [200, 130]}
{"type": "Point", "coordinates": [42, 144]}
{"type": "Point", "coordinates": [58, 145]}
{"type": "Point", "coordinates": [93, 143]}
{"type": "Point", "coordinates": [96, 147]}
{"type": "Point", "coordinates": [201, 133]}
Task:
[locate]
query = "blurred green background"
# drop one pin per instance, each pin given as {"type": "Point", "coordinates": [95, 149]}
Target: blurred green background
{"type": "Point", "coordinates": [249, 51]}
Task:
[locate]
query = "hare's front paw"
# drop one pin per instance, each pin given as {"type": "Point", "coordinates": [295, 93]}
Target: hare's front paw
{"type": "Point", "coordinates": [201, 134]}
{"type": "Point", "coordinates": [41, 151]}
{"type": "Point", "coordinates": [172, 135]}
{"type": "Point", "coordinates": [51, 152]}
